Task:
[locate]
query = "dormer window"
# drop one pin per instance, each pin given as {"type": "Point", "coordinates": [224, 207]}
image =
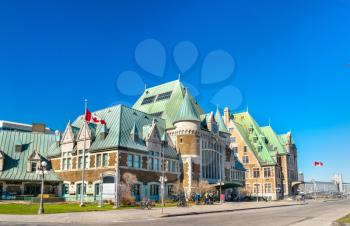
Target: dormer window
{"type": "Point", "coordinates": [251, 129]}
{"type": "Point", "coordinates": [33, 161]}
{"type": "Point", "coordinates": [33, 166]}
{"type": "Point", "coordinates": [18, 145]}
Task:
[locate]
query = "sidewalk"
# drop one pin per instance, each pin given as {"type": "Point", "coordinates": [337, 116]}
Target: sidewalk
{"type": "Point", "coordinates": [139, 214]}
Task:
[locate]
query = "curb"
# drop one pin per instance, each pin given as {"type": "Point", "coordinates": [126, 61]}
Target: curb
{"type": "Point", "coordinates": [340, 224]}
{"type": "Point", "coordinates": [228, 210]}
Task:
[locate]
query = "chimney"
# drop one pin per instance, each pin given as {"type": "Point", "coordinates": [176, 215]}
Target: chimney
{"type": "Point", "coordinates": [227, 116]}
{"type": "Point", "coordinates": [38, 127]}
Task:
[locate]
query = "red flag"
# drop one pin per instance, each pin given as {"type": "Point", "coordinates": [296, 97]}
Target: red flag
{"type": "Point", "coordinates": [88, 115]}
{"type": "Point", "coordinates": [93, 118]}
{"type": "Point", "coordinates": [318, 163]}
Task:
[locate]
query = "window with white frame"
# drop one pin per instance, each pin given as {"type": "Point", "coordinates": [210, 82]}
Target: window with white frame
{"type": "Point", "coordinates": [268, 188]}
{"type": "Point", "coordinates": [98, 160]}
{"type": "Point", "coordinates": [256, 172]}
{"type": "Point", "coordinates": [105, 159]}
{"type": "Point", "coordinates": [245, 159]}
{"type": "Point", "coordinates": [256, 188]}
{"type": "Point", "coordinates": [130, 160]}
{"type": "Point", "coordinates": [137, 161]}
{"type": "Point", "coordinates": [267, 172]}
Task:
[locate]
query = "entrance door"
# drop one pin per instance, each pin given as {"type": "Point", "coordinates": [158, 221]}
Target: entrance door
{"type": "Point", "coordinates": [78, 191]}
{"type": "Point", "coordinates": [108, 188]}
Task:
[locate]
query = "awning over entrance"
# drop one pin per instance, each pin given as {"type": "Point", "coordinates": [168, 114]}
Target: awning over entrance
{"type": "Point", "coordinates": [297, 183]}
{"type": "Point", "coordinates": [229, 184]}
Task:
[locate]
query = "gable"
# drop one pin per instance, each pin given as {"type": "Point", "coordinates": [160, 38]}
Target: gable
{"type": "Point", "coordinates": [84, 132]}
{"type": "Point", "coordinates": [68, 135]}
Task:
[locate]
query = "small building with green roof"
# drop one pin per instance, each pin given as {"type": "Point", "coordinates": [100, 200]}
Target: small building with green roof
{"type": "Point", "coordinates": [21, 153]}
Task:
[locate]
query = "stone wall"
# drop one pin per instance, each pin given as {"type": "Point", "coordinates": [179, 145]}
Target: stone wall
{"type": "Point", "coordinates": [188, 144]}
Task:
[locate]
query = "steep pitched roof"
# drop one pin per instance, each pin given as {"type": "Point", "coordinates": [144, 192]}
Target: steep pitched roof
{"type": "Point", "coordinates": [121, 121]}
{"type": "Point", "coordinates": [274, 140]}
{"type": "Point", "coordinates": [219, 120]}
{"type": "Point", "coordinates": [254, 138]}
{"type": "Point", "coordinates": [15, 163]}
{"type": "Point", "coordinates": [284, 138]}
{"type": "Point", "coordinates": [187, 111]}
{"type": "Point", "coordinates": [165, 100]}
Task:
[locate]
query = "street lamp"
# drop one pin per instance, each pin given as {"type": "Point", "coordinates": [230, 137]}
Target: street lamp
{"type": "Point", "coordinates": [42, 170]}
{"type": "Point", "coordinates": [163, 178]}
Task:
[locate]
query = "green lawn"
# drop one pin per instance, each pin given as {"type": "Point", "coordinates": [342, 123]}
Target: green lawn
{"type": "Point", "coordinates": [345, 219]}
{"type": "Point", "coordinates": [11, 208]}
{"type": "Point", "coordinates": [52, 208]}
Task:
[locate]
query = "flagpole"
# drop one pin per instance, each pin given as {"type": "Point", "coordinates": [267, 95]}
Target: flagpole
{"type": "Point", "coordinates": [83, 171]}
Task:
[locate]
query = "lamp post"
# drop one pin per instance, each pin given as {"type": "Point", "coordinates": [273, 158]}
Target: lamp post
{"type": "Point", "coordinates": [163, 178]}
{"type": "Point", "coordinates": [42, 170]}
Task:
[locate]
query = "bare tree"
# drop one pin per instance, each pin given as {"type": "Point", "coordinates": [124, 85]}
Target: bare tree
{"type": "Point", "coordinates": [178, 188]}
{"type": "Point", "coordinates": [202, 187]}
{"type": "Point", "coordinates": [129, 180]}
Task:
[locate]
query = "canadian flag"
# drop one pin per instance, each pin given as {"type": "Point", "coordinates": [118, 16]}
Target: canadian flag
{"type": "Point", "coordinates": [93, 118]}
{"type": "Point", "coordinates": [318, 163]}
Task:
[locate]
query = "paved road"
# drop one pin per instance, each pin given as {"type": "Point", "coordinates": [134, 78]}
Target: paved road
{"type": "Point", "coordinates": [315, 213]}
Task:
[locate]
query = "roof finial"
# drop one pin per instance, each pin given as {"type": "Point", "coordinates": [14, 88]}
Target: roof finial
{"type": "Point", "coordinates": [145, 86]}
{"type": "Point", "coordinates": [269, 121]}
{"type": "Point", "coordinates": [247, 109]}
{"type": "Point", "coordinates": [179, 76]}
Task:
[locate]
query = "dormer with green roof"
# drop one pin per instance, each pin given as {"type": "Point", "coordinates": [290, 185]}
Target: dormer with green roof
{"type": "Point", "coordinates": [254, 138]}
{"type": "Point", "coordinates": [274, 140]}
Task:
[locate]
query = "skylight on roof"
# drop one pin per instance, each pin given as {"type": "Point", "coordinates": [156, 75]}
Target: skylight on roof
{"type": "Point", "coordinates": [148, 100]}
{"type": "Point", "coordinates": [164, 96]}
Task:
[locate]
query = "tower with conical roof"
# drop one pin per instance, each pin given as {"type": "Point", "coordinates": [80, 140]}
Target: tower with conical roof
{"type": "Point", "coordinates": [187, 127]}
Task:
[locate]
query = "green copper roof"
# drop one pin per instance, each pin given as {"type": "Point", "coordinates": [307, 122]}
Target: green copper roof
{"type": "Point", "coordinates": [186, 112]}
{"type": "Point", "coordinates": [254, 138]}
{"type": "Point", "coordinates": [219, 120]}
{"type": "Point", "coordinates": [284, 138]}
{"type": "Point", "coordinates": [121, 121]}
{"type": "Point", "coordinates": [15, 163]}
{"type": "Point", "coordinates": [273, 139]}
{"type": "Point", "coordinates": [167, 107]}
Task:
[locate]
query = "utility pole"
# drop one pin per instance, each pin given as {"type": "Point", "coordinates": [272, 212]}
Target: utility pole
{"type": "Point", "coordinates": [163, 178]}
{"type": "Point", "coordinates": [101, 190]}
{"type": "Point", "coordinates": [116, 180]}
{"type": "Point", "coordinates": [83, 159]}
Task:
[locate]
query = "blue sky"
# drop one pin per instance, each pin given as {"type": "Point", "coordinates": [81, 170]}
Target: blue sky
{"type": "Point", "coordinates": [290, 63]}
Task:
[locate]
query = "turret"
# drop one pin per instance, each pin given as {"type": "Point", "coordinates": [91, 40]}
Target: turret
{"type": "Point", "coordinates": [187, 126]}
